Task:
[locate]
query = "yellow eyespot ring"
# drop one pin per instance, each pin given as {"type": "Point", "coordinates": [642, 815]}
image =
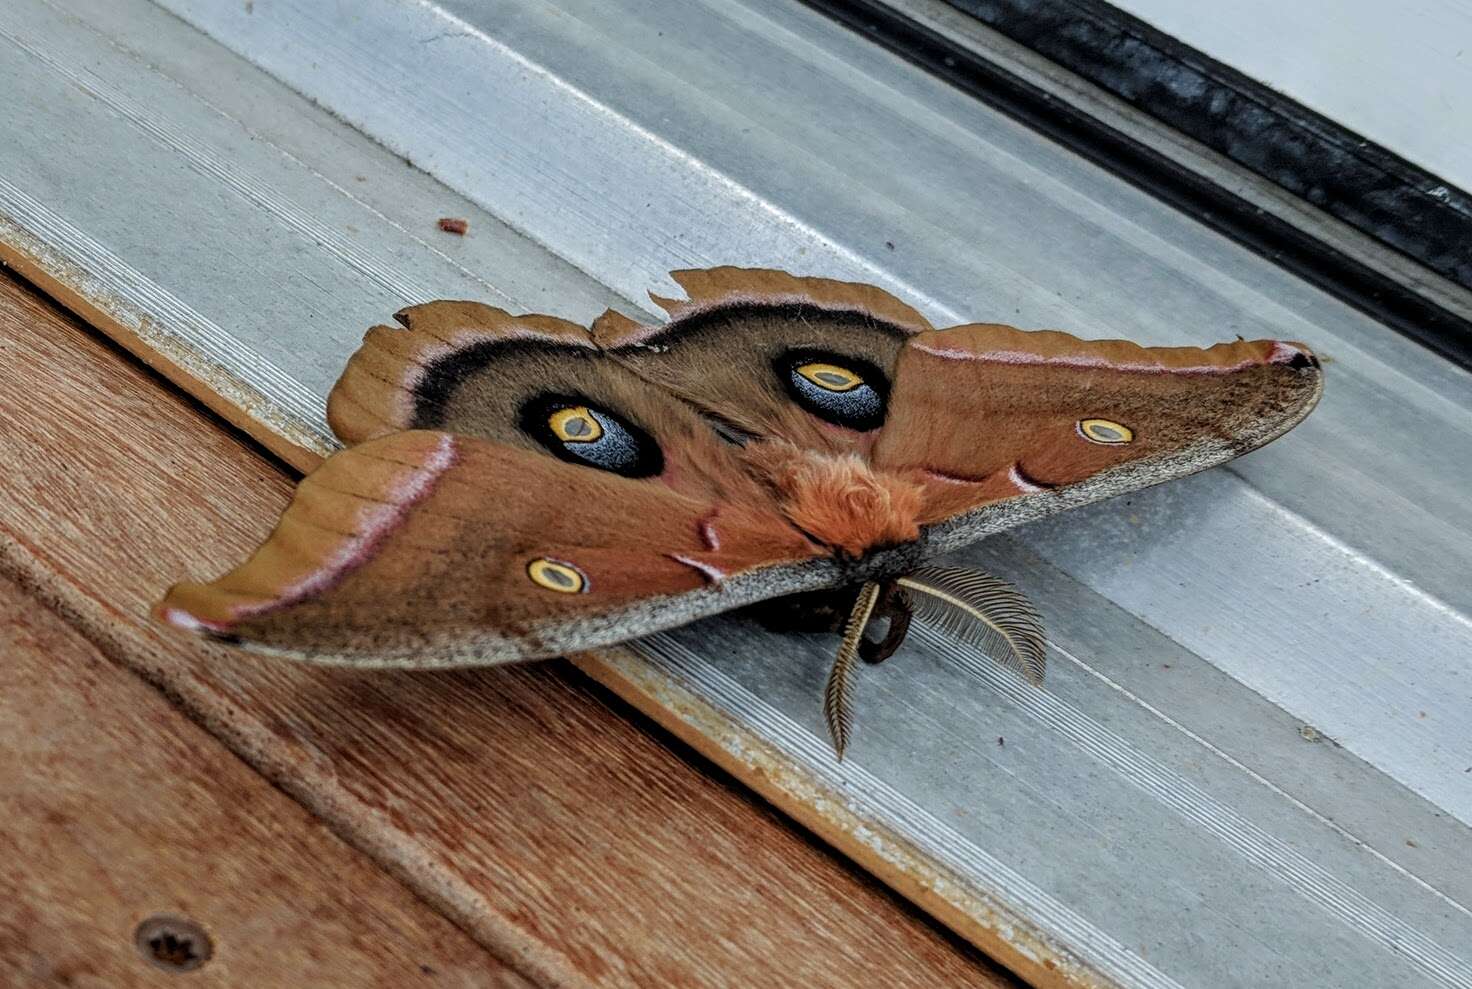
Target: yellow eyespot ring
{"type": "Point", "coordinates": [1105, 431]}
{"type": "Point", "coordinates": [556, 576]}
{"type": "Point", "coordinates": [575, 425]}
{"type": "Point", "coordinates": [830, 377]}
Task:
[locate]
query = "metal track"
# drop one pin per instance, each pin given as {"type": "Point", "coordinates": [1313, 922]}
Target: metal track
{"type": "Point", "coordinates": [1251, 763]}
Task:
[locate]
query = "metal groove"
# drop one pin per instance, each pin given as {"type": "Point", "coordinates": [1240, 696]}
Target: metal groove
{"type": "Point", "coordinates": [1268, 853]}
{"type": "Point", "coordinates": [165, 321]}
{"type": "Point", "coordinates": [375, 268]}
{"type": "Point", "coordinates": [341, 190]}
{"type": "Point", "coordinates": [408, 235]}
{"type": "Point", "coordinates": [875, 798]}
{"type": "Point", "coordinates": [678, 155]}
{"type": "Point", "coordinates": [1261, 780]}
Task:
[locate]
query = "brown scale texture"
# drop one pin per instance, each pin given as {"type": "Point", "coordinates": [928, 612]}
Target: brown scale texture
{"type": "Point", "coordinates": [392, 551]}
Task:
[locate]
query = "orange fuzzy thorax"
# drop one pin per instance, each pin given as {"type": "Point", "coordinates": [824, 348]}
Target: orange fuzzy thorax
{"type": "Point", "coordinates": [839, 499]}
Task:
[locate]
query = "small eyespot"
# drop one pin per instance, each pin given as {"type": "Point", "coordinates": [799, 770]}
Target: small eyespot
{"type": "Point", "coordinates": [556, 576]}
{"type": "Point", "coordinates": [829, 377]}
{"type": "Point", "coordinates": [1105, 431]}
{"type": "Point", "coordinates": [575, 425]}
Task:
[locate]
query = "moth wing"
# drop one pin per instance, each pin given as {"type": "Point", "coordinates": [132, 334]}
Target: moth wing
{"type": "Point", "coordinates": [406, 377]}
{"type": "Point", "coordinates": [730, 347]}
{"type": "Point", "coordinates": [468, 368]}
{"type": "Point", "coordinates": [728, 287]}
{"type": "Point", "coordinates": [989, 420]}
{"type": "Point", "coordinates": [426, 549]}
{"type": "Point", "coordinates": [1002, 426]}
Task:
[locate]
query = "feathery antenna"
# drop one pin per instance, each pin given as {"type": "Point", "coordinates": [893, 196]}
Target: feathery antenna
{"type": "Point", "coordinates": [838, 704]}
{"type": "Point", "coordinates": [982, 611]}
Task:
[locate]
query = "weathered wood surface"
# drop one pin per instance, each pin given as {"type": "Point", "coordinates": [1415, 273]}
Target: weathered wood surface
{"type": "Point", "coordinates": [539, 813]}
{"type": "Point", "coordinates": [118, 808]}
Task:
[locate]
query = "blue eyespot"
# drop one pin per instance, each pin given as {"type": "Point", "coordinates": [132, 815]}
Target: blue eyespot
{"type": "Point", "coordinates": [580, 432]}
{"type": "Point", "coordinates": [846, 391]}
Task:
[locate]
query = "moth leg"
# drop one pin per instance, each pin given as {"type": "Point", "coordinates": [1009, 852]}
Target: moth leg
{"type": "Point", "coordinates": [894, 604]}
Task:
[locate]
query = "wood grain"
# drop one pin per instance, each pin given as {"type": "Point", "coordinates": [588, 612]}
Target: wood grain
{"type": "Point", "coordinates": [566, 834]}
{"type": "Point", "coordinates": [118, 808]}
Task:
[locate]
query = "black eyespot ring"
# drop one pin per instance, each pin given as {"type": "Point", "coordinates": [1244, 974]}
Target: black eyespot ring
{"type": "Point", "coordinates": [579, 431]}
{"type": "Point", "coordinates": [846, 391]}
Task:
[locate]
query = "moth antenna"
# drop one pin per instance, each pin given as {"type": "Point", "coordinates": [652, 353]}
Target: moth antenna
{"type": "Point", "coordinates": [982, 611]}
{"type": "Point", "coordinates": [838, 701]}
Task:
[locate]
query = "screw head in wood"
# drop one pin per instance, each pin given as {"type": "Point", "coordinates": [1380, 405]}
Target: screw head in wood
{"type": "Point", "coordinates": [172, 944]}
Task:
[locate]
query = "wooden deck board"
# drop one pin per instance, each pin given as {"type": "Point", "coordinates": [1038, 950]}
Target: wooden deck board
{"type": "Point", "coordinates": [565, 833]}
{"type": "Point", "coordinates": [118, 808]}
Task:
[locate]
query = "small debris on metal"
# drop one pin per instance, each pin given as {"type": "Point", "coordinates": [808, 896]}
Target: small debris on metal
{"type": "Point", "coordinates": [454, 225]}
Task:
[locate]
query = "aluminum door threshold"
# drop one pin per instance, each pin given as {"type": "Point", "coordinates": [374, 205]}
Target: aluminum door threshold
{"type": "Point", "coordinates": [1251, 764]}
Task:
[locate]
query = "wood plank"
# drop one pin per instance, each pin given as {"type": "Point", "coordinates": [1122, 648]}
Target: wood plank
{"type": "Point", "coordinates": [118, 808]}
{"type": "Point", "coordinates": [567, 834]}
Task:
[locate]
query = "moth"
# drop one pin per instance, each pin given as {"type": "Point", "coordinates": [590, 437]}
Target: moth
{"type": "Point", "coordinates": [522, 487]}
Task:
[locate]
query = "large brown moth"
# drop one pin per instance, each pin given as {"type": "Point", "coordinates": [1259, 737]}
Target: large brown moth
{"type": "Point", "coordinates": [521, 487]}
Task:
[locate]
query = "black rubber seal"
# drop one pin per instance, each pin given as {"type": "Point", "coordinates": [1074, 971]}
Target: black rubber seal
{"type": "Point", "coordinates": [1354, 180]}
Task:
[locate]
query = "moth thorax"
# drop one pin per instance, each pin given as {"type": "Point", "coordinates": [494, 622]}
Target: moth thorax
{"type": "Point", "coordinates": [839, 499]}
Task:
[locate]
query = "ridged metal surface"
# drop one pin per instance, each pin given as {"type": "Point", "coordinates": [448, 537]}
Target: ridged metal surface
{"type": "Point", "coordinates": [1251, 764]}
